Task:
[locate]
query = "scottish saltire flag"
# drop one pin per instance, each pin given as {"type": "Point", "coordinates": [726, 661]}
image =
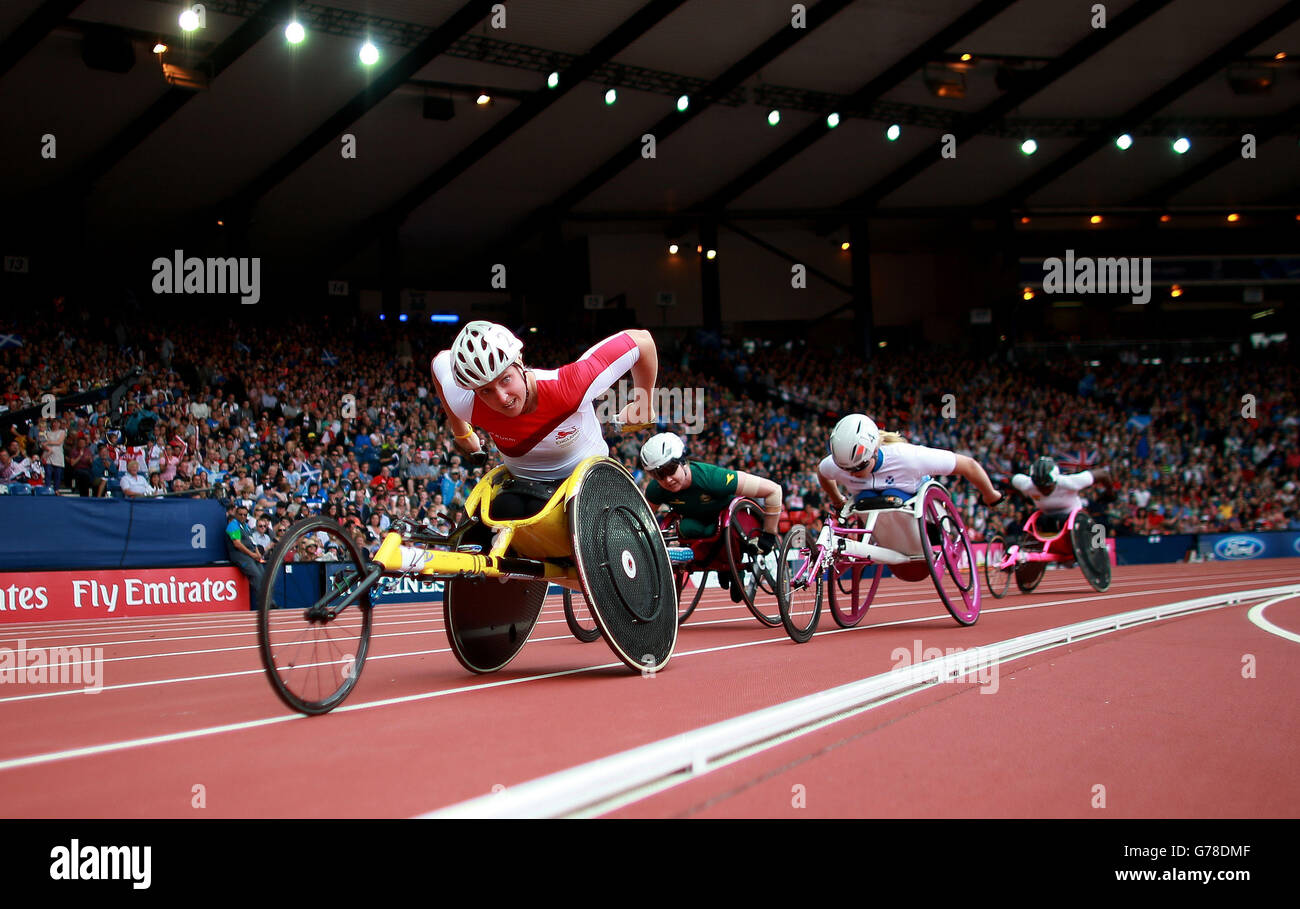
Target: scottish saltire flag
{"type": "Point", "coordinates": [328, 358]}
{"type": "Point", "coordinates": [10, 341]}
{"type": "Point", "coordinates": [242, 347]}
{"type": "Point", "coordinates": [1074, 460]}
{"type": "Point", "coordinates": [308, 475]}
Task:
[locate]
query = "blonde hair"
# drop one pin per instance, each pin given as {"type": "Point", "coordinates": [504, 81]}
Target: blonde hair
{"type": "Point", "coordinates": [890, 438]}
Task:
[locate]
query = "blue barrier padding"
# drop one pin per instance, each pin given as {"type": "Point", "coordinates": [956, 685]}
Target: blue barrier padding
{"type": "Point", "coordinates": [63, 532]}
{"type": "Point", "coordinates": [1154, 549]}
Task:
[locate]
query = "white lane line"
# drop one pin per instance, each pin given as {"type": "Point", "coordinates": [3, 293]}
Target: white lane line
{"type": "Point", "coordinates": [943, 616]}
{"type": "Point", "coordinates": [615, 780]}
{"type": "Point", "coordinates": [403, 614]}
{"type": "Point", "coordinates": [1256, 615]}
{"type": "Point", "coordinates": [49, 757]}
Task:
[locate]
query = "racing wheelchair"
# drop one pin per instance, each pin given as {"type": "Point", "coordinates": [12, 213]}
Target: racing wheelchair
{"type": "Point", "coordinates": [1074, 542]}
{"type": "Point", "coordinates": [731, 549]}
{"type": "Point", "coordinates": [596, 534]}
{"type": "Point", "coordinates": [809, 568]}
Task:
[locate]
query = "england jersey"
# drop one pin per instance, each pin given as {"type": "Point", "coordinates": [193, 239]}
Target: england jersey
{"type": "Point", "coordinates": [562, 430]}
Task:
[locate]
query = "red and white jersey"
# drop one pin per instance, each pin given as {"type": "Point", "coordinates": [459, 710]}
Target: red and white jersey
{"type": "Point", "coordinates": [562, 430]}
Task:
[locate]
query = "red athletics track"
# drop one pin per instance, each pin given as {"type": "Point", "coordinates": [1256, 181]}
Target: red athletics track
{"type": "Point", "coordinates": [1159, 715]}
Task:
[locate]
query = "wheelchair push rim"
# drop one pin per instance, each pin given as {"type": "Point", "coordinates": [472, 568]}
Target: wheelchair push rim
{"type": "Point", "coordinates": [847, 607]}
{"type": "Point", "coordinates": [949, 555]}
{"type": "Point", "coordinates": [314, 617]}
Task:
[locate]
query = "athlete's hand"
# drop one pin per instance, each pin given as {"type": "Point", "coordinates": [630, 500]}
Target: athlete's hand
{"type": "Point", "coordinates": [766, 542]}
{"type": "Point", "coordinates": [478, 458]}
{"type": "Point", "coordinates": [639, 410]}
{"type": "Point", "coordinates": [1001, 497]}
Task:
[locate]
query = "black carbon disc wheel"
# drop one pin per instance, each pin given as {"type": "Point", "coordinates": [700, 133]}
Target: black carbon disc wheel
{"type": "Point", "coordinates": [313, 623]}
{"type": "Point", "coordinates": [1090, 551]}
{"type": "Point", "coordinates": [489, 619]}
{"type": "Point", "coordinates": [624, 566]}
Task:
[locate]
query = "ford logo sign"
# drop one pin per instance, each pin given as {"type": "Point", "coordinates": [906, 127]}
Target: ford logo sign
{"type": "Point", "coordinates": [1238, 548]}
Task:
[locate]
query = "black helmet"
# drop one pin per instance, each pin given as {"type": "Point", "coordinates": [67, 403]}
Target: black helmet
{"type": "Point", "coordinates": [1044, 474]}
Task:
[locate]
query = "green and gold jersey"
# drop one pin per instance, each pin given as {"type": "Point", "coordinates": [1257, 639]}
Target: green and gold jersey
{"type": "Point", "coordinates": [711, 491]}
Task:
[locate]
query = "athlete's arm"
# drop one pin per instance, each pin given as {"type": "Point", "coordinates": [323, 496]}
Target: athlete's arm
{"type": "Point", "coordinates": [465, 437]}
{"type": "Point", "coordinates": [832, 490]}
{"type": "Point", "coordinates": [644, 372]}
{"type": "Point", "coordinates": [763, 490]}
{"type": "Point", "coordinates": [1023, 485]}
{"type": "Point", "coordinates": [970, 469]}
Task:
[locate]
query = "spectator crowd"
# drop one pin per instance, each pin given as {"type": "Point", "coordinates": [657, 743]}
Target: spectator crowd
{"type": "Point", "coordinates": [336, 417]}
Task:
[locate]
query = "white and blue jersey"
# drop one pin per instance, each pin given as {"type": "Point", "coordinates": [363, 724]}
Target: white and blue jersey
{"type": "Point", "coordinates": [898, 467]}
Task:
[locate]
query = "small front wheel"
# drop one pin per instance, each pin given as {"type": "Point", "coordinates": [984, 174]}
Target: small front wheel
{"type": "Point", "coordinates": [800, 584]}
{"type": "Point", "coordinates": [996, 579]}
{"type": "Point", "coordinates": [578, 617]}
{"type": "Point", "coordinates": [314, 615]}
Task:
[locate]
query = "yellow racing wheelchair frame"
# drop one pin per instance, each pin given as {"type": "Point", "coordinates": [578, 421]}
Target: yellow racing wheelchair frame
{"type": "Point", "coordinates": [596, 535]}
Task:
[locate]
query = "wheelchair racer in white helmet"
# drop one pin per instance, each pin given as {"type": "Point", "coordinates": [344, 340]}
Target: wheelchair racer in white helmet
{"type": "Point", "coordinates": [698, 493]}
{"type": "Point", "coordinates": [868, 462]}
{"type": "Point", "coordinates": [543, 421]}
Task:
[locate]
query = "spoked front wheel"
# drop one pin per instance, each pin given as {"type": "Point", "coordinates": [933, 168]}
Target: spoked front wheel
{"type": "Point", "coordinates": [996, 579]}
{"type": "Point", "coordinates": [800, 584]}
{"type": "Point", "coordinates": [578, 616]}
{"type": "Point", "coordinates": [314, 615]}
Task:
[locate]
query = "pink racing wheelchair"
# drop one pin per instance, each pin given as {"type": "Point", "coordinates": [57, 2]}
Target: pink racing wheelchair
{"type": "Point", "coordinates": [1078, 540]}
{"type": "Point", "coordinates": [810, 567]}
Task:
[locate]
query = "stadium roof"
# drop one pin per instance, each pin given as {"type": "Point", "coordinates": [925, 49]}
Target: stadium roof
{"type": "Point", "coordinates": [261, 140]}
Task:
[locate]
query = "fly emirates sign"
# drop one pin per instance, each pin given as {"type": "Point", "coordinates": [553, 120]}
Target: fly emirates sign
{"type": "Point", "coordinates": [35, 596]}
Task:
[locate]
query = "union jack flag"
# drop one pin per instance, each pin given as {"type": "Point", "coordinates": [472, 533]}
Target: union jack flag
{"type": "Point", "coordinates": [1076, 460]}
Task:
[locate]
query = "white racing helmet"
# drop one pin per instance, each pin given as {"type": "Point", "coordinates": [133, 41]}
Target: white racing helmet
{"type": "Point", "coordinates": [661, 449]}
{"type": "Point", "coordinates": [854, 442]}
{"type": "Point", "coordinates": [482, 352]}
